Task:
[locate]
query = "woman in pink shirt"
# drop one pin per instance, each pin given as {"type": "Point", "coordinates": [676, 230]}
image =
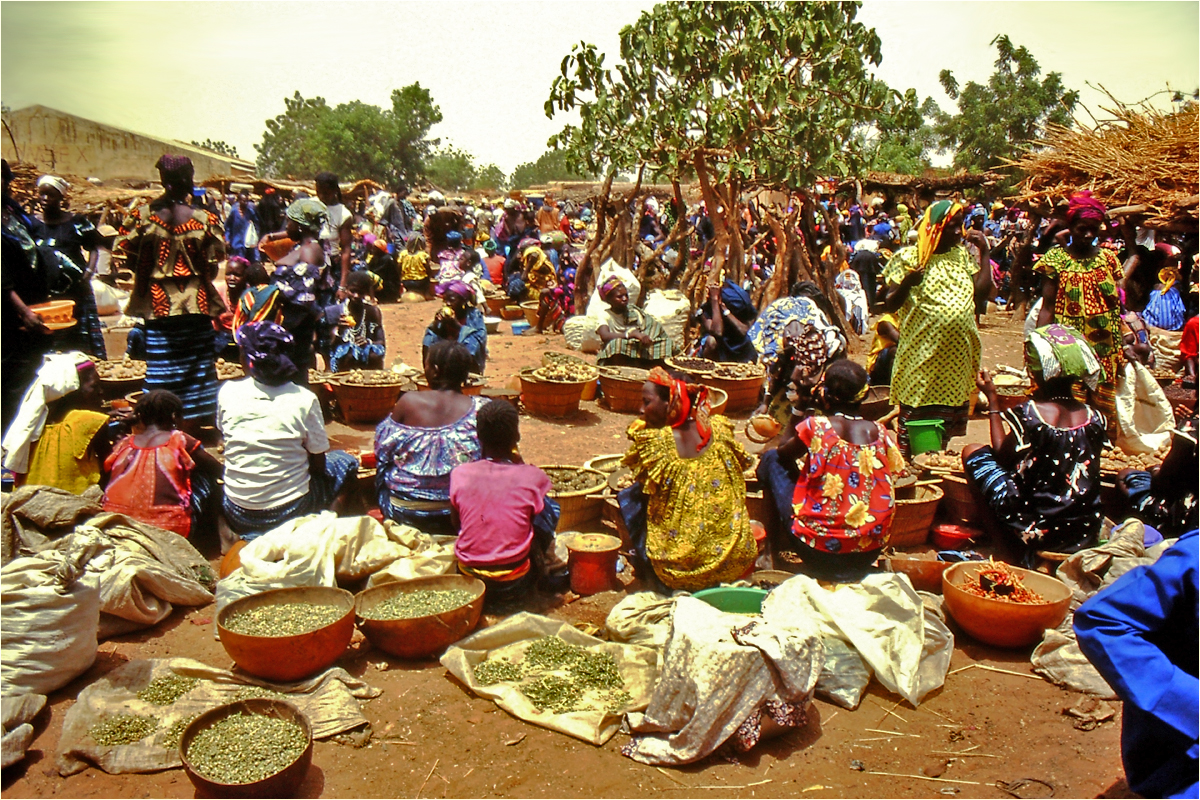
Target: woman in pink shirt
{"type": "Point", "coordinates": [500, 505]}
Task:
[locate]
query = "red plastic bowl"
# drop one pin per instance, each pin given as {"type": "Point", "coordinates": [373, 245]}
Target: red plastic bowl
{"type": "Point", "coordinates": [953, 537]}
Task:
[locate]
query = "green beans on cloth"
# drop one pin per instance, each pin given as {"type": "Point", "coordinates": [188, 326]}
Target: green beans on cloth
{"type": "Point", "coordinates": [330, 701]}
{"type": "Point", "coordinates": [511, 639]}
{"type": "Point", "coordinates": [723, 676]}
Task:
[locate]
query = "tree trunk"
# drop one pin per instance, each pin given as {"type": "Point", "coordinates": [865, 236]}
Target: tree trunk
{"type": "Point", "coordinates": [584, 275]}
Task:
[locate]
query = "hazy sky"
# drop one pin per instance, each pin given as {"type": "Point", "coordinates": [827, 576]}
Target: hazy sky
{"type": "Point", "coordinates": [197, 70]}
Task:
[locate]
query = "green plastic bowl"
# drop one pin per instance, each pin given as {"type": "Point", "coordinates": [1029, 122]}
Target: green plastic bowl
{"type": "Point", "coordinates": [734, 599]}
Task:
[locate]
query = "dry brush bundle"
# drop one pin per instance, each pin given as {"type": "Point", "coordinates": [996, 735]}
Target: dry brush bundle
{"type": "Point", "coordinates": [1140, 157]}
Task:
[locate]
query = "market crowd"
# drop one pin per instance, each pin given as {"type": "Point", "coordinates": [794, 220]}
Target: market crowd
{"type": "Point", "coordinates": [301, 288]}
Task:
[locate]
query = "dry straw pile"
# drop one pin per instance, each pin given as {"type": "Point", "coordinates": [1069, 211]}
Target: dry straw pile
{"type": "Point", "coordinates": [1142, 157]}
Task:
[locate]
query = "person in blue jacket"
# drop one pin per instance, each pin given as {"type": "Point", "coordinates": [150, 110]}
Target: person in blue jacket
{"type": "Point", "coordinates": [1141, 635]}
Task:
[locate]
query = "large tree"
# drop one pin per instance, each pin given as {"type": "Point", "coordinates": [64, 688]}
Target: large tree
{"type": "Point", "coordinates": [550, 166]}
{"type": "Point", "coordinates": [998, 120]}
{"type": "Point", "coordinates": [745, 94]}
{"type": "Point", "coordinates": [355, 140]}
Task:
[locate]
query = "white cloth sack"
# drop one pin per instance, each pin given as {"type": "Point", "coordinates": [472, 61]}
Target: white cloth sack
{"type": "Point", "coordinates": [596, 308]}
{"type": "Point", "coordinates": [109, 299]}
{"type": "Point", "coordinates": [1058, 657]}
{"type": "Point", "coordinates": [1144, 414]}
{"type": "Point", "coordinates": [642, 618]}
{"type": "Point", "coordinates": [721, 672]}
{"type": "Point", "coordinates": [576, 330]}
{"type": "Point", "coordinates": [57, 377]}
{"type": "Point", "coordinates": [50, 614]}
{"type": "Point", "coordinates": [898, 632]}
{"type": "Point", "coordinates": [329, 701]}
{"type": "Point", "coordinates": [318, 549]}
{"type": "Point", "coordinates": [671, 308]}
{"type": "Point", "coordinates": [1166, 348]}
{"type": "Point", "coordinates": [509, 639]}
{"type": "Point", "coordinates": [18, 712]}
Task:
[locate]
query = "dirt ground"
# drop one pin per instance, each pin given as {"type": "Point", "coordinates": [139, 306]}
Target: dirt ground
{"type": "Point", "coordinates": [434, 739]}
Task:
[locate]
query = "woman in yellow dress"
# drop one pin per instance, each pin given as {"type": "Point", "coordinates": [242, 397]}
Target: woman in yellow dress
{"type": "Point", "coordinates": [686, 513]}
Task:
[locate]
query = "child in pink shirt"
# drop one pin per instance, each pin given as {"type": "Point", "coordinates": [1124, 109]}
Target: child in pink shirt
{"type": "Point", "coordinates": [500, 505]}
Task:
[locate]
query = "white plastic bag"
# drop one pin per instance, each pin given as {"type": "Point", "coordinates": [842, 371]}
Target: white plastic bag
{"type": "Point", "coordinates": [109, 300]}
{"type": "Point", "coordinates": [670, 307]}
{"type": "Point", "coordinates": [50, 613]}
{"type": "Point", "coordinates": [251, 240]}
{"type": "Point", "coordinates": [609, 269]}
{"type": "Point", "coordinates": [1144, 414]}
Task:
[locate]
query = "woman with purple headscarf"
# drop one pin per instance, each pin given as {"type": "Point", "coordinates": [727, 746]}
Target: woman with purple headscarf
{"type": "Point", "coordinates": [1079, 290]}
{"type": "Point", "coordinates": [278, 465]}
{"type": "Point", "coordinates": [458, 320]}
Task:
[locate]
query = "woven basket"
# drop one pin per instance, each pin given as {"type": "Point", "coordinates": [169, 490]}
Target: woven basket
{"type": "Point", "coordinates": [365, 404]}
{"type": "Point", "coordinates": [548, 398]}
{"type": "Point", "coordinates": [622, 388]}
{"type": "Point", "coordinates": [743, 393]}
{"type": "Point", "coordinates": [113, 389]}
{"type": "Point", "coordinates": [475, 385]}
{"type": "Point", "coordinates": [578, 507]}
{"type": "Point", "coordinates": [912, 519]}
{"type": "Point", "coordinates": [497, 393]}
{"type": "Point", "coordinates": [511, 312]}
{"type": "Point", "coordinates": [495, 305]}
{"type": "Point", "coordinates": [705, 366]}
{"type": "Point", "coordinates": [960, 503]}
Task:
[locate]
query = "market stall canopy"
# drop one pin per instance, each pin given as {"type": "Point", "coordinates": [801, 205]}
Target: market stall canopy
{"type": "Point", "coordinates": [1142, 162]}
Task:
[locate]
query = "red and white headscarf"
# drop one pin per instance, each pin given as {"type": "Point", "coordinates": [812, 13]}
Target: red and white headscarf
{"type": "Point", "coordinates": [687, 401]}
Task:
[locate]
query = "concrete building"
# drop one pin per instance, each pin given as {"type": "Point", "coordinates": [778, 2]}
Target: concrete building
{"type": "Point", "coordinates": [71, 145]}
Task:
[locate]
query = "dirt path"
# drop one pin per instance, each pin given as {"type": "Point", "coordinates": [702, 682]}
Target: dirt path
{"type": "Point", "coordinates": [444, 742]}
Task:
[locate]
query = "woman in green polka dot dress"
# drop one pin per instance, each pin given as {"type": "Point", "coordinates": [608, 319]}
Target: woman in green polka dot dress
{"type": "Point", "coordinates": [932, 288]}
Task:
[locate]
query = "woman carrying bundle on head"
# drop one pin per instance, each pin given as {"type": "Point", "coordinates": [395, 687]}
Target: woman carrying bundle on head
{"type": "Point", "coordinates": [502, 510]}
{"type": "Point", "coordinates": [1041, 480]}
{"type": "Point", "coordinates": [278, 465]}
{"type": "Point", "coordinates": [426, 436]}
{"type": "Point", "coordinates": [1080, 291]}
{"type": "Point", "coordinates": [458, 320]}
{"type": "Point", "coordinates": [829, 484]}
{"type": "Point", "coordinates": [160, 475]}
{"type": "Point", "coordinates": [686, 513]}
{"type": "Point", "coordinates": [60, 437]}
{"type": "Point", "coordinates": [632, 338]}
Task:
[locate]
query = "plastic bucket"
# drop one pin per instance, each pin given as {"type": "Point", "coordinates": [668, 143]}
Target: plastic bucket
{"type": "Point", "coordinates": [592, 561]}
{"type": "Point", "coordinates": [924, 435]}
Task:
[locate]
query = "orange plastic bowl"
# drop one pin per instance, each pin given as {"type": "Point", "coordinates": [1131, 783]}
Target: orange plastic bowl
{"type": "Point", "coordinates": [1001, 623]}
{"type": "Point", "coordinates": [290, 658]}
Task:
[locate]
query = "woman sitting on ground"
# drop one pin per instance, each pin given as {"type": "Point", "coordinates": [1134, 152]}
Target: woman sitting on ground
{"type": "Point", "coordinates": [278, 465]}
{"type": "Point", "coordinates": [459, 320]}
{"type": "Point", "coordinates": [686, 513]}
{"type": "Point", "coordinates": [415, 271]}
{"type": "Point", "coordinates": [160, 475]}
{"type": "Point", "coordinates": [1041, 480]}
{"type": "Point", "coordinates": [503, 511]}
{"type": "Point", "coordinates": [632, 338]}
{"type": "Point", "coordinates": [356, 327]}
{"type": "Point", "coordinates": [426, 436]}
{"type": "Point", "coordinates": [830, 481]}
{"type": "Point", "coordinates": [557, 303]}
{"type": "Point", "coordinates": [60, 437]}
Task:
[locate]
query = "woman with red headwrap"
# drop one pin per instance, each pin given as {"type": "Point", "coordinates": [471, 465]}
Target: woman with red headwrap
{"type": "Point", "coordinates": [1079, 290]}
{"type": "Point", "coordinates": [686, 513]}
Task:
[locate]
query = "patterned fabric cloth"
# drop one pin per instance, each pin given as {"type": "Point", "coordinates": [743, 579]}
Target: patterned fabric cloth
{"type": "Point", "coordinates": [1088, 302]}
{"type": "Point", "coordinates": [698, 529]}
{"type": "Point", "coordinates": [879, 344]}
{"type": "Point", "coordinates": [153, 484]}
{"type": "Point", "coordinates": [251, 523]}
{"type": "Point", "coordinates": [938, 355]}
{"type": "Point", "coordinates": [854, 300]}
{"type": "Point", "coordinates": [1050, 500]}
{"type": "Point", "coordinates": [538, 272]}
{"type": "Point", "coordinates": [414, 266]}
{"type": "Point", "coordinates": [173, 265]}
{"type": "Point", "coordinates": [356, 340]}
{"type": "Point", "coordinates": [766, 334]}
{"type": "Point", "coordinates": [258, 304]}
{"type": "Point", "coordinates": [180, 357]}
{"type": "Point", "coordinates": [1165, 309]}
{"type": "Point", "coordinates": [62, 457]}
{"type": "Point", "coordinates": [634, 318]}
{"type": "Point", "coordinates": [414, 464]}
{"type": "Point", "coordinates": [843, 501]}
